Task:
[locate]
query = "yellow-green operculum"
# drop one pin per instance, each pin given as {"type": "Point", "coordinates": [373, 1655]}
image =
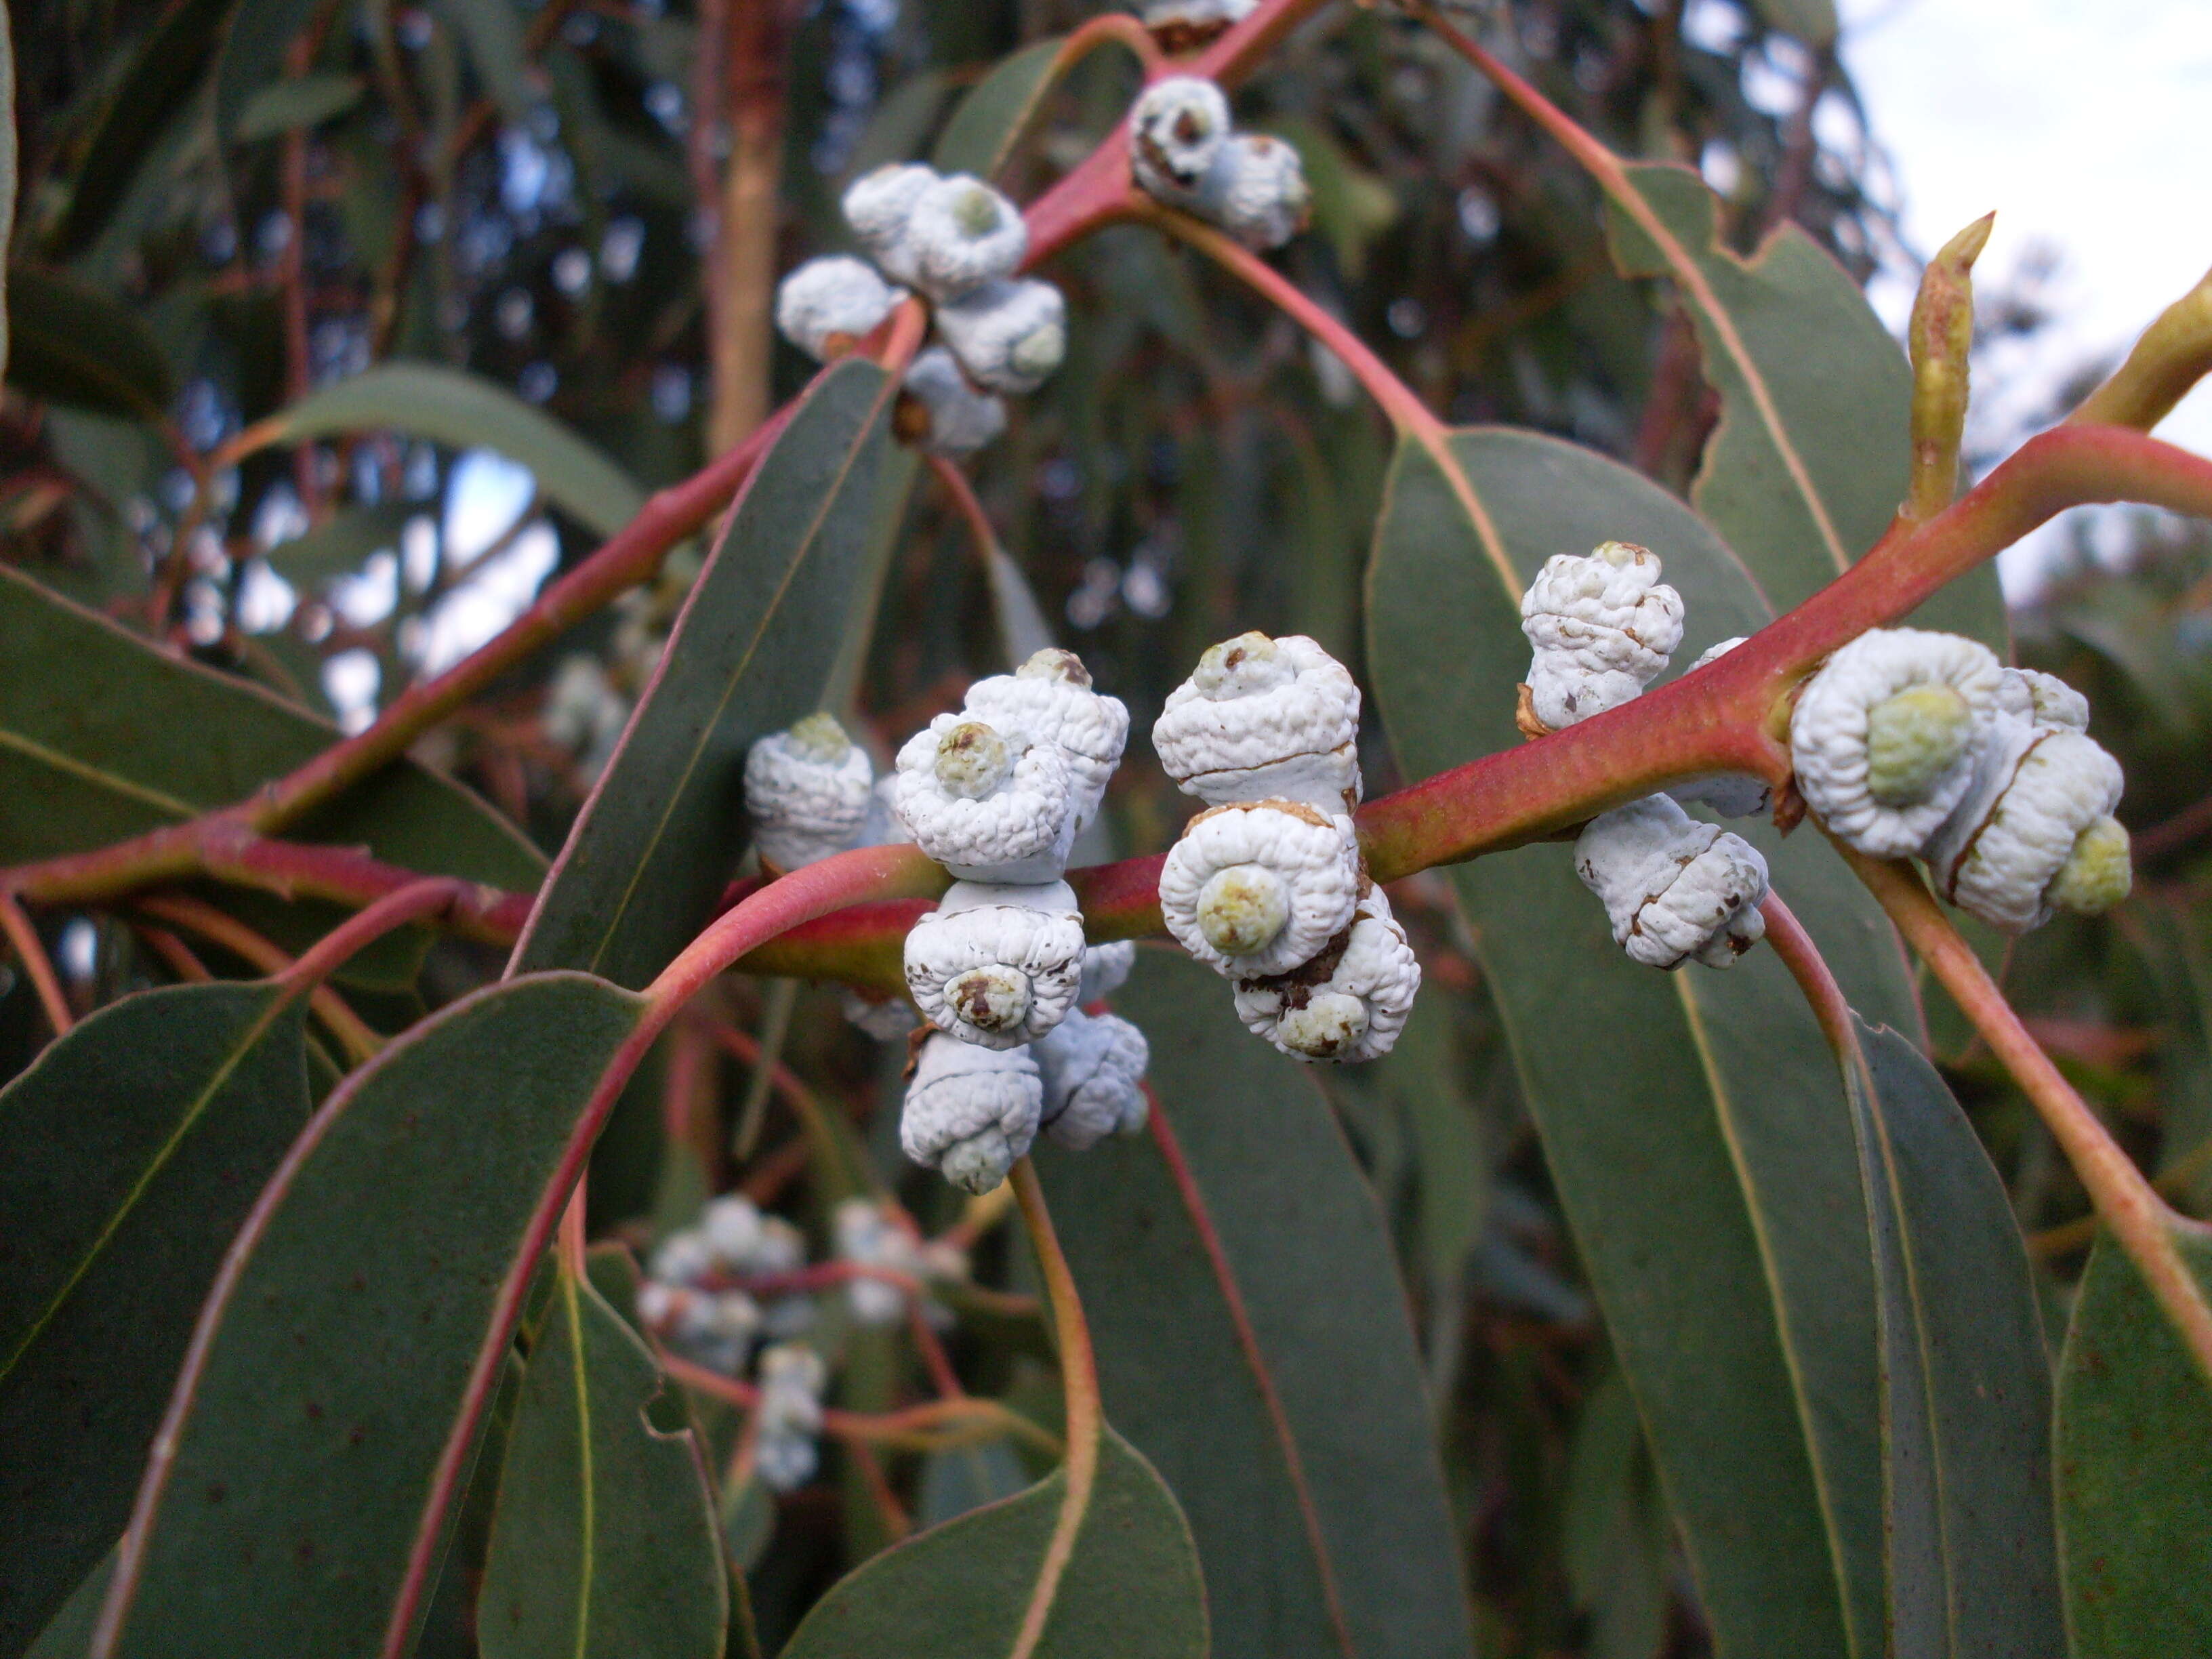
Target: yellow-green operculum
{"type": "Point", "coordinates": [1349, 1003]}
{"type": "Point", "coordinates": [1175, 130]}
{"type": "Point", "coordinates": [970, 1111]}
{"type": "Point", "coordinates": [1094, 1072]}
{"type": "Point", "coordinates": [1885, 738]}
{"type": "Point", "coordinates": [828, 305]}
{"type": "Point", "coordinates": [1254, 188]}
{"type": "Point", "coordinates": [2098, 873]}
{"type": "Point", "coordinates": [808, 792]}
{"type": "Point", "coordinates": [1731, 794]}
{"type": "Point", "coordinates": [962, 234]}
{"type": "Point", "coordinates": [1600, 626]}
{"type": "Point", "coordinates": [879, 206]}
{"type": "Point", "coordinates": [1009, 335]}
{"type": "Point", "coordinates": [997, 965]}
{"type": "Point", "coordinates": [988, 806]}
{"type": "Point", "coordinates": [1049, 698]}
{"type": "Point", "coordinates": [1264, 719]}
{"type": "Point", "coordinates": [1271, 881]}
{"type": "Point", "coordinates": [1674, 889]}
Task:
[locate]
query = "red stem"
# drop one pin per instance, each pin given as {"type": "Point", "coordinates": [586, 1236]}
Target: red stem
{"type": "Point", "coordinates": [31, 951]}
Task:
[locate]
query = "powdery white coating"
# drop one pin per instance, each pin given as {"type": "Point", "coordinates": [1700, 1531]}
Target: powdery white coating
{"type": "Point", "coordinates": [1191, 22]}
{"type": "Point", "coordinates": [1264, 719]}
{"type": "Point", "coordinates": [832, 300]}
{"type": "Point", "coordinates": [1673, 887]}
{"type": "Point", "coordinates": [1731, 794]}
{"type": "Point", "coordinates": [1828, 733]}
{"type": "Point", "coordinates": [741, 1240]}
{"type": "Point", "coordinates": [1351, 1012]}
{"type": "Point", "coordinates": [682, 1258]}
{"type": "Point", "coordinates": [714, 1328]}
{"type": "Point", "coordinates": [997, 965]}
{"type": "Point", "coordinates": [1106, 969]}
{"type": "Point", "coordinates": [2043, 700]}
{"type": "Point", "coordinates": [1315, 858]}
{"type": "Point", "coordinates": [2003, 867]}
{"type": "Point", "coordinates": [1049, 699]}
{"type": "Point", "coordinates": [1094, 1067]}
{"type": "Point", "coordinates": [1255, 189]}
{"type": "Point", "coordinates": [878, 205]}
{"type": "Point", "coordinates": [962, 420]}
{"type": "Point", "coordinates": [961, 234]}
{"type": "Point", "coordinates": [886, 1020]}
{"type": "Point", "coordinates": [883, 828]}
{"type": "Point", "coordinates": [1009, 335]}
{"type": "Point", "coordinates": [808, 792]}
{"type": "Point", "coordinates": [869, 1238]}
{"type": "Point", "coordinates": [1602, 626]}
{"type": "Point", "coordinates": [970, 1111]}
{"type": "Point", "coordinates": [1176, 130]}
{"type": "Point", "coordinates": [1019, 830]}
{"type": "Point", "coordinates": [788, 1416]}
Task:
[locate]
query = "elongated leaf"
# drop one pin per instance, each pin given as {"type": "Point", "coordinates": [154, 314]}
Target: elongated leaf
{"type": "Point", "coordinates": [752, 652]}
{"type": "Point", "coordinates": [251, 58]}
{"type": "Point", "coordinates": [70, 1632]}
{"type": "Point", "coordinates": [990, 119]}
{"type": "Point", "coordinates": [451, 407]}
{"type": "Point", "coordinates": [1300, 1445]}
{"type": "Point", "coordinates": [1809, 460]}
{"type": "Point", "coordinates": [1813, 21]}
{"type": "Point", "coordinates": [7, 163]}
{"type": "Point", "coordinates": [604, 1544]}
{"type": "Point", "coordinates": [332, 1361]}
{"type": "Point", "coordinates": [1693, 1122]}
{"type": "Point", "coordinates": [307, 102]}
{"type": "Point", "coordinates": [70, 342]}
{"type": "Point", "coordinates": [102, 736]}
{"type": "Point", "coordinates": [2135, 1469]}
{"type": "Point", "coordinates": [341, 542]}
{"type": "Point", "coordinates": [1130, 1588]}
{"type": "Point", "coordinates": [1973, 1565]}
{"type": "Point", "coordinates": [135, 1145]}
{"type": "Point", "coordinates": [493, 31]}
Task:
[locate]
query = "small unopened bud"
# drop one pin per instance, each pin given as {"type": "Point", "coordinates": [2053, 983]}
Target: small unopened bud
{"type": "Point", "coordinates": [963, 235]}
{"type": "Point", "coordinates": [826, 306]}
{"type": "Point", "coordinates": [1276, 875]}
{"type": "Point", "coordinates": [1256, 189]}
{"type": "Point", "coordinates": [1913, 741]}
{"type": "Point", "coordinates": [972, 760]}
{"type": "Point", "coordinates": [1008, 335]}
{"type": "Point", "coordinates": [1176, 131]}
{"type": "Point", "coordinates": [941, 412]}
{"type": "Point", "coordinates": [878, 206]}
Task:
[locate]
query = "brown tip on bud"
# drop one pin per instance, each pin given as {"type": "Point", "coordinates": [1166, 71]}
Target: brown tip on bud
{"type": "Point", "coordinates": [910, 419]}
{"type": "Point", "coordinates": [1789, 807]}
{"type": "Point", "coordinates": [1524, 714]}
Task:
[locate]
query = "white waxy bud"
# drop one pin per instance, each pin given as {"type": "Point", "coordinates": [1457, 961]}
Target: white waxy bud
{"type": "Point", "coordinates": [1009, 335]}
{"type": "Point", "coordinates": [740, 1240]}
{"type": "Point", "coordinates": [788, 1416]}
{"type": "Point", "coordinates": [970, 1111]}
{"type": "Point", "coordinates": [1049, 700]}
{"type": "Point", "coordinates": [1185, 25]}
{"type": "Point", "coordinates": [1094, 1070]}
{"type": "Point", "coordinates": [960, 420]}
{"type": "Point", "coordinates": [883, 828]}
{"type": "Point", "coordinates": [808, 792]}
{"type": "Point", "coordinates": [887, 1019]}
{"type": "Point", "coordinates": [997, 965]}
{"type": "Point", "coordinates": [1349, 1003]}
{"type": "Point", "coordinates": [1731, 794]}
{"type": "Point", "coordinates": [1602, 626]}
{"type": "Point", "coordinates": [1258, 889]}
{"type": "Point", "coordinates": [1886, 737]}
{"type": "Point", "coordinates": [584, 714]}
{"type": "Point", "coordinates": [869, 1238]}
{"type": "Point", "coordinates": [2043, 700]}
{"type": "Point", "coordinates": [1106, 969]}
{"type": "Point", "coordinates": [1175, 130]}
{"type": "Point", "coordinates": [828, 306]}
{"type": "Point", "coordinates": [684, 1257]}
{"type": "Point", "coordinates": [1673, 887]}
{"type": "Point", "coordinates": [714, 1328]}
{"type": "Point", "coordinates": [987, 805]}
{"type": "Point", "coordinates": [1264, 720]}
{"type": "Point", "coordinates": [1255, 189]}
{"type": "Point", "coordinates": [961, 235]}
{"type": "Point", "coordinates": [878, 205]}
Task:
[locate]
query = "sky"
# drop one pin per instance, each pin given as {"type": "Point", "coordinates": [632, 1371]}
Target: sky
{"type": "Point", "coordinates": [2083, 124]}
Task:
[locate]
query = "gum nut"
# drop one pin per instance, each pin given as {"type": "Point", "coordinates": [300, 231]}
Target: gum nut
{"type": "Point", "coordinates": [2065, 783]}
{"type": "Point", "coordinates": [956, 419]}
{"type": "Point", "coordinates": [1914, 740]}
{"type": "Point", "coordinates": [1831, 732]}
{"type": "Point", "coordinates": [1093, 1067]}
{"type": "Point", "coordinates": [2043, 700]}
{"type": "Point", "coordinates": [1106, 969]}
{"type": "Point", "coordinates": [978, 1164]}
{"type": "Point", "coordinates": [1263, 718]}
{"type": "Point", "coordinates": [828, 305]}
{"type": "Point", "coordinates": [808, 792]}
{"type": "Point", "coordinates": [1255, 189]}
{"type": "Point", "coordinates": [1316, 858]}
{"type": "Point", "coordinates": [1328, 1025]}
{"type": "Point", "coordinates": [1049, 699]}
{"type": "Point", "coordinates": [1242, 908]}
{"type": "Point", "coordinates": [1019, 830]}
{"type": "Point", "coordinates": [2098, 873]}
{"type": "Point", "coordinates": [997, 965]}
{"type": "Point", "coordinates": [878, 205]}
{"type": "Point", "coordinates": [1699, 907]}
{"type": "Point", "coordinates": [1175, 130]}
{"type": "Point", "coordinates": [959, 1090]}
{"type": "Point", "coordinates": [683, 1258]}
{"type": "Point", "coordinates": [1008, 335]}
{"type": "Point", "coordinates": [731, 1226]}
{"type": "Point", "coordinates": [963, 235]}
{"type": "Point", "coordinates": [656, 1303]}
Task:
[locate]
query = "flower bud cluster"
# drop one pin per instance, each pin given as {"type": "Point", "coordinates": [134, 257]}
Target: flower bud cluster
{"type": "Point", "coordinates": [959, 244]}
{"type": "Point", "coordinates": [1267, 886]}
{"type": "Point", "coordinates": [869, 1235]}
{"type": "Point", "coordinates": [1184, 151]}
{"type": "Point", "coordinates": [1909, 744]}
{"type": "Point", "coordinates": [997, 794]}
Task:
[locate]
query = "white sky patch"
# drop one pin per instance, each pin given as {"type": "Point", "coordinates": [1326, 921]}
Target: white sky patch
{"type": "Point", "coordinates": [350, 680]}
{"type": "Point", "coordinates": [2083, 125]}
{"type": "Point", "coordinates": [498, 590]}
{"type": "Point", "coordinates": [485, 495]}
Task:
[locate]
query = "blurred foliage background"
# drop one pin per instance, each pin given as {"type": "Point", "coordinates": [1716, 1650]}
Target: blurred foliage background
{"type": "Point", "coordinates": [586, 202]}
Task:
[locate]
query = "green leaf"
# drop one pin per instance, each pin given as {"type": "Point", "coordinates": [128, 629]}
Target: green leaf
{"type": "Point", "coordinates": [341, 542]}
{"type": "Point", "coordinates": [1693, 1122]}
{"type": "Point", "coordinates": [752, 652]}
{"type": "Point", "coordinates": [70, 1632]}
{"type": "Point", "coordinates": [1813, 21]}
{"type": "Point", "coordinates": [2135, 1468]}
{"type": "Point", "coordinates": [307, 101]}
{"type": "Point", "coordinates": [1314, 1480]}
{"type": "Point", "coordinates": [1614, 1541]}
{"type": "Point", "coordinates": [453, 406]}
{"type": "Point", "coordinates": [333, 1364]}
{"type": "Point", "coordinates": [990, 120]}
{"type": "Point", "coordinates": [1810, 459]}
{"type": "Point", "coordinates": [171, 62]}
{"type": "Point", "coordinates": [7, 161]}
{"type": "Point", "coordinates": [492, 30]}
{"type": "Point", "coordinates": [102, 736]}
{"type": "Point", "coordinates": [137, 1144]}
{"type": "Point", "coordinates": [250, 58]}
{"type": "Point", "coordinates": [70, 343]}
{"type": "Point", "coordinates": [1972, 1558]}
{"type": "Point", "coordinates": [605, 1544]}
{"type": "Point", "coordinates": [1130, 1588]}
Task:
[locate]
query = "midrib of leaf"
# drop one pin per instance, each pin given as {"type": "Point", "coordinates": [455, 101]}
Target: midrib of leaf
{"type": "Point", "coordinates": [674, 795]}
{"type": "Point", "coordinates": [1081, 1471]}
{"type": "Point", "coordinates": [96, 776]}
{"type": "Point", "coordinates": [587, 1489]}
